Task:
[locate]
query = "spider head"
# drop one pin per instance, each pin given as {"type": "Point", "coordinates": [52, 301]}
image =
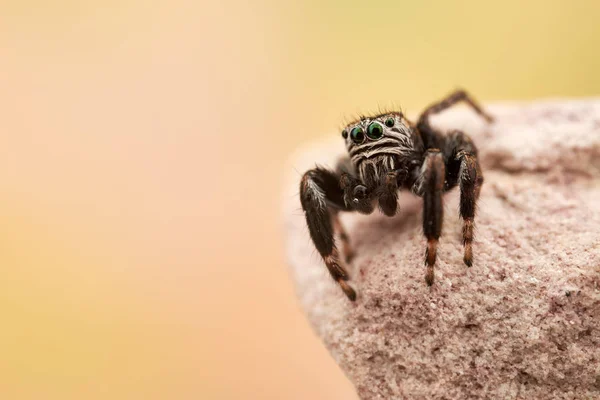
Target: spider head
{"type": "Point", "coordinates": [379, 144]}
{"type": "Point", "coordinates": [385, 133]}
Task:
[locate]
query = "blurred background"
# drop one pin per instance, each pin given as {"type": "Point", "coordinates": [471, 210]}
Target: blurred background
{"type": "Point", "coordinates": [142, 154]}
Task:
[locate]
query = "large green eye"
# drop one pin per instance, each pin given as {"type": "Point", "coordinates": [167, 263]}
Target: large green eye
{"type": "Point", "coordinates": [357, 134]}
{"type": "Point", "coordinates": [375, 130]}
{"type": "Point", "coordinates": [389, 122]}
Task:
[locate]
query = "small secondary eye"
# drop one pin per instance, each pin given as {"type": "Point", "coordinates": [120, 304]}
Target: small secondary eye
{"type": "Point", "coordinates": [375, 131]}
{"type": "Point", "coordinates": [344, 134]}
{"type": "Point", "coordinates": [389, 122]}
{"type": "Point", "coordinates": [357, 134]}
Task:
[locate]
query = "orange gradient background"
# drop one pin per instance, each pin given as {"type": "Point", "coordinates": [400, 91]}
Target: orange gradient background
{"type": "Point", "coordinates": [142, 153]}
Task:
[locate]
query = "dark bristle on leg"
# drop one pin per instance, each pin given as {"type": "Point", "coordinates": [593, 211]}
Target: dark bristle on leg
{"type": "Point", "coordinates": [433, 209]}
{"type": "Point", "coordinates": [321, 197]}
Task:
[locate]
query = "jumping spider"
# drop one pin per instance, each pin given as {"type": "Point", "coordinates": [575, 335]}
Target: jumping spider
{"type": "Point", "coordinates": [387, 153]}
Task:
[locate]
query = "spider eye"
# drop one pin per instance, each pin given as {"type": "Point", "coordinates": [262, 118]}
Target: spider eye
{"type": "Point", "coordinates": [357, 134]}
{"type": "Point", "coordinates": [375, 131]}
{"type": "Point", "coordinates": [344, 134]}
{"type": "Point", "coordinates": [389, 122]}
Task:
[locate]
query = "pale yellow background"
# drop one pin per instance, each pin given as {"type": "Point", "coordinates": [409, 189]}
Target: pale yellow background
{"type": "Point", "coordinates": [141, 155]}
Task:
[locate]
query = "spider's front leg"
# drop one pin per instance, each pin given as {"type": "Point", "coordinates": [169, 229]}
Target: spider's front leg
{"type": "Point", "coordinates": [432, 178]}
{"type": "Point", "coordinates": [322, 197]}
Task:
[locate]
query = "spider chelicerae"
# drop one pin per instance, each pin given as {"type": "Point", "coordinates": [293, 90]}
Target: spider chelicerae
{"type": "Point", "coordinates": [388, 153]}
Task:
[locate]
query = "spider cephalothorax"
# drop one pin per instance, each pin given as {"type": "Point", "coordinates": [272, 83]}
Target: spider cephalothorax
{"type": "Point", "coordinates": [379, 144]}
{"type": "Point", "coordinates": [387, 153]}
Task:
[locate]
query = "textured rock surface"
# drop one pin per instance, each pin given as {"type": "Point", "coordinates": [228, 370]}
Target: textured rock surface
{"type": "Point", "coordinates": [524, 321]}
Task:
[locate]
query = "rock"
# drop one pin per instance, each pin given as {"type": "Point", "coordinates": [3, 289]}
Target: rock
{"type": "Point", "coordinates": [524, 321]}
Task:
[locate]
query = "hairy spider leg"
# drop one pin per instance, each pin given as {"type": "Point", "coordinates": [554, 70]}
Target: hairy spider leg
{"type": "Point", "coordinates": [431, 137]}
{"type": "Point", "coordinates": [432, 179]}
{"type": "Point", "coordinates": [322, 197]}
{"type": "Point", "coordinates": [463, 168]}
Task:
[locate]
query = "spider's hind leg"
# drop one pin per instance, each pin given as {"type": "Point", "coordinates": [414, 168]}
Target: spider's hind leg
{"type": "Point", "coordinates": [431, 136]}
{"type": "Point", "coordinates": [321, 198]}
{"type": "Point", "coordinates": [463, 169]}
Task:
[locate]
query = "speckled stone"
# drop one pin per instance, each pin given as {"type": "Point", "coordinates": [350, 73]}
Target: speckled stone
{"type": "Point", "coordinates": [524, 321]}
